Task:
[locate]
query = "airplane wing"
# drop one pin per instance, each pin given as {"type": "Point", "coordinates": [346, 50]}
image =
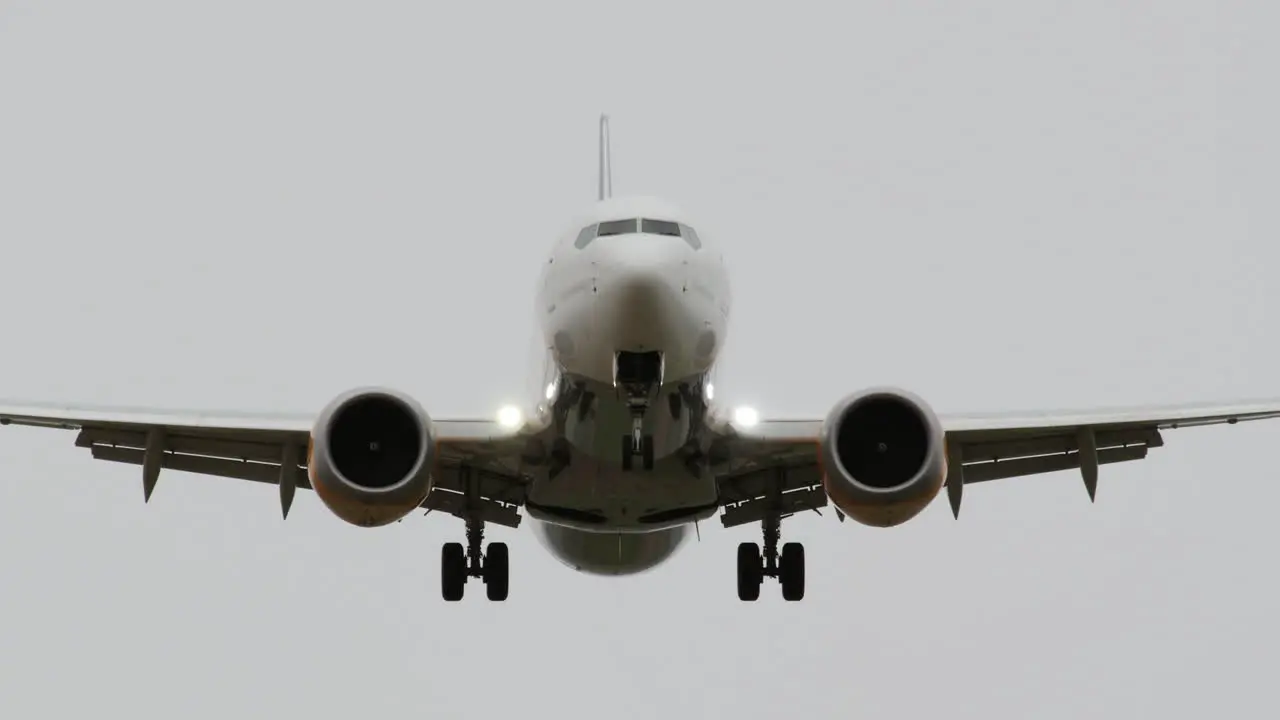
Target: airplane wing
{"type": "Point", "coordinates": [270, 448]}
{"type": "Point", "coordinates": [980, 448]}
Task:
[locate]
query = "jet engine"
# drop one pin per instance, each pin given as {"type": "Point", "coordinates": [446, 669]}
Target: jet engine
{"type": "Point", "coordinates": [883, 456]}
{"type": "Point", "coordinates": [371, 455]}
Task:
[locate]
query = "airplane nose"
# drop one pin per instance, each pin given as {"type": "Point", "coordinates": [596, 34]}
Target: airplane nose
{"type": "Point", "coordinates": [645, 268]}
{"type": "Point", "coordinates": [640, 299]}
{"type": "Point", "coordinates": [642, 293]}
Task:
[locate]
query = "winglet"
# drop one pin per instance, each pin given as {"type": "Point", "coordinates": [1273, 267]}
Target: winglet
{"type": "Point", "coordinates": [606, 160]}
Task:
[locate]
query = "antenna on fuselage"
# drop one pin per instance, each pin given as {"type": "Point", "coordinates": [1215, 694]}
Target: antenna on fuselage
{"type": "Point", "coordinates": [606, 160]}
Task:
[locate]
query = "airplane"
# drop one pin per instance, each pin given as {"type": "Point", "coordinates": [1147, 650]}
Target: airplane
{"type": "Point", "coordinates": [625, 450]}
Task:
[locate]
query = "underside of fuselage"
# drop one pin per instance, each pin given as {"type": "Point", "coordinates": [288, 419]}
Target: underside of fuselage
{"type": "Point", "coordinates": [610, 553]}
{"type": "Point", "coordinates": [626, 466]}
{"type": "Point", "coordinates": [602, 483]}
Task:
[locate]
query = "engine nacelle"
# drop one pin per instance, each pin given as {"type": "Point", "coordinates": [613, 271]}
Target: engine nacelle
{"type": "Point", "coordinates": [371, 455]}
{"type": "Point", "coordinates": [883, 456]}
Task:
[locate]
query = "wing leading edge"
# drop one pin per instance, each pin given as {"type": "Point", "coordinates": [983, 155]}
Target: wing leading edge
{"type": "Point", "coordinates": [272, 448]}
{"type": "Point", "coordinates": [980, 448]}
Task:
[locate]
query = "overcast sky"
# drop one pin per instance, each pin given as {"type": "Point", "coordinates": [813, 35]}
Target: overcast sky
{"type": "Point", "coordinates": [1000, 205]}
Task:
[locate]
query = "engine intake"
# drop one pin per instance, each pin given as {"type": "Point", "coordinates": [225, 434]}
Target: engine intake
{"type": "Point", "coordinates": [883, 456]}
{"type": "Point", "coordinates": [375, 441]}
{"type": "Point", "coordinates": [371, 456]}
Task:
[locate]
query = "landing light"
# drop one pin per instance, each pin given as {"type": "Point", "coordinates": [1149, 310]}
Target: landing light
{"type": "Point", "coordinates": [710, 391]}
{"type": "Point", "coordinates": [745, 417]}
{"type": "Point", "coordinates": [509, 416]}
{"type": "Point", "coordinates": [551, 390]}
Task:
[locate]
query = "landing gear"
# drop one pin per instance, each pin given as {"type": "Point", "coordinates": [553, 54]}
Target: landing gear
{"type": "Point", "coordinates": [497, 572]}
{"type": "Point", "coordinates": [690, 399]}
{"type": "Point", "coordinates": [453, 571]}
{"type": "Point", "coordinates": [638, 376]}
{"type": "Point", "coordinates": [631, 448]}
{"type": "Point", "coordinates": [750, 572]}
{"type": "Point", "coordinates": [791, 571]}
{"type": "Point", "coordinates": [459, 563]}
{"type": "Point", "coordinates": [754, 565]}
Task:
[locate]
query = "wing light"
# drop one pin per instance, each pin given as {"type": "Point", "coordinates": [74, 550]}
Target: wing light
{"type": "Point", "coordinates": [746, 417]}
{"type": "Point", "coordinates": [510, 417]}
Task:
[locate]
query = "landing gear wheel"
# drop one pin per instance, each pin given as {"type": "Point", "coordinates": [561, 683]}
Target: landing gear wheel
{"type": "Point", "coordinates": [629, 452]}
{"type": "Point", "coordinates": [453, 571]}
{"type": "Point", "coordinates": [750, 572]}
{"type": "Point", "coordinates": [497, 566]}
{"type": "Point", "coordinates": [791, 571]}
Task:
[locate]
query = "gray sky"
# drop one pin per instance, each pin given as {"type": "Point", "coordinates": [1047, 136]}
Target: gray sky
{"type": "Point", "coordinates": [1000, 205]}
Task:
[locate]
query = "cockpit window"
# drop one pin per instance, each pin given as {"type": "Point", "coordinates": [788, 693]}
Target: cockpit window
{"type": "Point", "coordinates": [690, 237]}
{"type": "Point", "coordinates": [659, 227]}
{"type": "Point", "coordinates": [642, 225]}
{"type": "Point", "coordinates": [585, 237]}
{"type": "Point", "coordinates": [617, 227]}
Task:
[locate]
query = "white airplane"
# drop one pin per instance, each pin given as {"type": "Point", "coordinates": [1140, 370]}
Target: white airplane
{"type": "Point", "coordinates": [626, 448]}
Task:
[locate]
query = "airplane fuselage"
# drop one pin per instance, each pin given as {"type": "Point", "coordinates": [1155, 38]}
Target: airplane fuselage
{"type": "Point", "coordinates": [633, 304]}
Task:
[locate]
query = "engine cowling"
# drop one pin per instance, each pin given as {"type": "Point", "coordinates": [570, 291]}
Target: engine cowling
{"type": "Point", "coordinates": [371, 455]}
{"type": "Point", "coordinates": [883, 456]}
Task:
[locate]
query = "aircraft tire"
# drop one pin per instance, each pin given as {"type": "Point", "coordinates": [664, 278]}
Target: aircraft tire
{"type": "Point", "coordinates": [750, 572]}
{"type": "Point", "coordinates": [791, 571]}
{"type": "Point", "coordinates": [453, 571]}
{"type": "Point", "coordinates": [497, 571]}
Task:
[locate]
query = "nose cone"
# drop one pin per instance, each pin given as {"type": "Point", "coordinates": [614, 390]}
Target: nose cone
{"type": "Point", "coordinates": [641, 292]}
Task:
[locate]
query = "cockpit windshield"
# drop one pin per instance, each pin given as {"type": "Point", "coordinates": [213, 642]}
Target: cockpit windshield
{"type": "Point", "coordinates": [659, 227]}
{"type": "Point", "coordinates": [690, 237]}
{"type": "Point", "coordinates": [617, 227]}
{"type": "Point", "coordinates": [637, 225]}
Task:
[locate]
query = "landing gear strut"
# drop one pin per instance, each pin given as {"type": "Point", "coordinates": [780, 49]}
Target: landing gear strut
{"type": "Point", "coordinates": [787, 566]}
{"type": "Point", "coordinates": [457, 563]}
{"type": "Point", "coordinates": [637, 443]}
{"type": "Point", "coordinates": [638, 375]}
